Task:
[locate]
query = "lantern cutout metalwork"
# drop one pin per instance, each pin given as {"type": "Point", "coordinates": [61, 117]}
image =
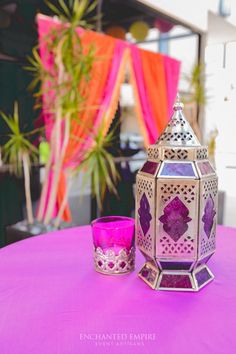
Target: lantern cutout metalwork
{"type": "Point", "coordinates": [176, 209]}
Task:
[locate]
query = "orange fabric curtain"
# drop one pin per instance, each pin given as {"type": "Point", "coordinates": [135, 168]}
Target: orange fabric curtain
{"type": "Point", "coordinates": [149, 80]}
{"type": "Point", "coordinates": [96, 87]}
{"type": "Point", "coordinates": [155, 83]}
{"type": "Point", "coordinates": [104, 49]}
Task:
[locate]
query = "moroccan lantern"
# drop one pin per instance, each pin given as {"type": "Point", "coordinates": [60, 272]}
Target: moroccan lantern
{"type": "Point", "coordinates": [176, 209]}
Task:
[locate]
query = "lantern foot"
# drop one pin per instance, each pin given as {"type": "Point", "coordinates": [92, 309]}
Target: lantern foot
{"type": "Point", "coordinates": [175, 280]}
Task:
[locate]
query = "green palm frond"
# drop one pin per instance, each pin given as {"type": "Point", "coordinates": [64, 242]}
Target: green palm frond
{"type": "Point", "coordinates": [68, 55]}
{"type": "Point", "coordinates": [18, 143]}
{"type": "Point", "coordinates": [64, 84]}
{"type": "Point", "coordinates": [72, 11]}
{"type": "Point", "coordinates": [195, 82]}
{"type": "Point", "coordinates": [98, 164]}
{"type": "Point", "coordinates": [36, 69]}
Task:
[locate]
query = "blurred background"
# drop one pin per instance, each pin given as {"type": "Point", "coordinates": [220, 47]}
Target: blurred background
{"type": "Point", "coordinates": [200, 34]}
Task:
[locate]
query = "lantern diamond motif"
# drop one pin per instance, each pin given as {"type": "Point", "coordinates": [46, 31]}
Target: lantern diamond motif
{"type": "Point", "coordinates": [175, 219]}
{"type": "Point", "coordinates": [176, 208]}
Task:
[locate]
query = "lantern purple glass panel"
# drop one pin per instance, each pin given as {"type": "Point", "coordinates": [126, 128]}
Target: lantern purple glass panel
{"type": "Point", "coordinates": [149, 274]}
{"type": "Point", "coordinates": [144, 214]}
{"type": "Point", "coordinates": [205, 168]}
{"type": "Point", "coordinates": [175, 281]}
{"type": "Point", "coordinates": [175, 219]}
{"type": "Point", "coordinates": [202, 277]}
{"type": "Point", "coordinates": [113, 238]}
{"type": "Point", "coordinates": [150, 167]}
{"type": "Point", "coordinates": [177, 170]}
{"type": "Point", "coordinates": [176, 265]}
{"type": "Point", "coordinates": [208, 217]}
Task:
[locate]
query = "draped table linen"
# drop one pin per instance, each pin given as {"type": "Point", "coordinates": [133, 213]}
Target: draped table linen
{"type": "Point", "coordinates": [53, 302]}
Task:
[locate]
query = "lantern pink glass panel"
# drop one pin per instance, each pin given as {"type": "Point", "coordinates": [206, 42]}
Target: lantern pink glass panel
{"type": "Point", "coordinates": [113, 238]}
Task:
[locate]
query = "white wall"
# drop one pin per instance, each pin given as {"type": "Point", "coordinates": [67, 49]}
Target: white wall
{"type": "Point", "coordinates": [219, 30]}
{"type": "Point", "coordinates": [221, 108]}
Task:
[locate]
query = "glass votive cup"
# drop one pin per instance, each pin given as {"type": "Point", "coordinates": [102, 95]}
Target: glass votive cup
{"type": "Point", "coordinates": [114, 244]}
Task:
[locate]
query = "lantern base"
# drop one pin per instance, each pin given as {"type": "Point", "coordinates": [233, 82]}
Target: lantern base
{"type": "Point", "coordinates": [175, 280]}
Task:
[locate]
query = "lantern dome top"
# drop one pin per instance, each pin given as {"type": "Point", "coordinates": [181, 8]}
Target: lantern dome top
{"type": "Point", "coordinates": [178, 131]}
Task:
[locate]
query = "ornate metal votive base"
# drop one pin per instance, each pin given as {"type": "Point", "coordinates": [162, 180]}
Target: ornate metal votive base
{"type": "Point", "coordinates": [175, 280]}
{"type": "Point", "coordinates": [109, 263]}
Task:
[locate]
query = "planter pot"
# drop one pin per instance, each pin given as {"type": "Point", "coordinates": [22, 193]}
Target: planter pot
{"type": "Point", "coordinates": [22, 230]}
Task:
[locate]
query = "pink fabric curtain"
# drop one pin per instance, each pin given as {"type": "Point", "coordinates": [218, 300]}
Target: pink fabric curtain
{"type": "Point", "coordinates": [142, 92]}
{"type": "Point", "coordinates": [141, 72]}
{"type": "Point", "coordinates": [155, 82]}
{"type": "Point", "coordinates": [107, 97]}
{"type": "Point", "coordinates": [172, 69]}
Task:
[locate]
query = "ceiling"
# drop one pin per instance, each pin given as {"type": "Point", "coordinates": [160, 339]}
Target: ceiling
{"type": "Point", "coordinates": [118, 12]}
{"type": "Point", "coordinates": [18, 31]}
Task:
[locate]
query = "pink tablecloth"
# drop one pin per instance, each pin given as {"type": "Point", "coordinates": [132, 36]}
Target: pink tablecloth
{"type": "Point", "coordinates": [53, 302]}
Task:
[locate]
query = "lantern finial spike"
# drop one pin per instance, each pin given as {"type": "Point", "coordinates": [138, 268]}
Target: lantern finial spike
{"type": "Point", "coordinates": [178, 105]}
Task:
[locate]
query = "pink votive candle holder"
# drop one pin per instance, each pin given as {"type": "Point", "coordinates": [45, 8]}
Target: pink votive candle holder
{"type": "Point", "coordinates": [114, 249]}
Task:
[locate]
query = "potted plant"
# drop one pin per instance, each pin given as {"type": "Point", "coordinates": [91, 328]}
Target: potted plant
{"type": "Point", "coordinates": [62, 91]}
{"type": "Point", "coordinates": [18, 155]}
{"type": "Point", "coordinates": [67, 99]}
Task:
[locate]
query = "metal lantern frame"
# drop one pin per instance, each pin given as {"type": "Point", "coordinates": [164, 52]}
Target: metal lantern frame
{"type": "Point", "coordinates": [176, 209]}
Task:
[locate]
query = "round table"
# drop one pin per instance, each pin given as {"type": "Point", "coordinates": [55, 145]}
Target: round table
{"type": "Point", "coordinates": [53, 302]}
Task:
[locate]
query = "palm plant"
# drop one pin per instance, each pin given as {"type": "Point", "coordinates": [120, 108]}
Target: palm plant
{"type": "Point", "coordinates": [98, 163]}
{"type": "Point", "coordinates": [64, 87]}
{"type": "Point", "coordinates": [73, 12]}
{"type": "Point", "coordinates": [98, 166]}
{"type": "Point", "coordinates": [196, 97]}
{"type": "Point", "coordinates": [18, 153]}
{"type": "Point", "coordinates": [195, 82]}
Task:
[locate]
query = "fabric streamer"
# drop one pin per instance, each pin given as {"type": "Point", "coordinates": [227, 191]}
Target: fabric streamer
{"type": "Point", "coordinates": [143, 97]}
{"type": "Point", "coordinates": [154, 78]}
{"type": "Point", "coordinates": [172, 70]}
